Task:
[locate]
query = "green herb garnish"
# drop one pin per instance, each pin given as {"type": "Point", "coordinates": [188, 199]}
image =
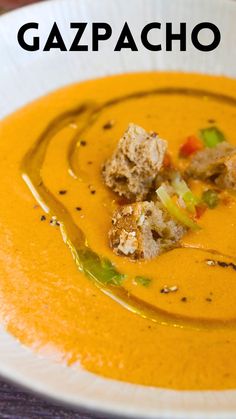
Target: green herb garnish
{"type": "Point", "coordinates": [142, 280]}
{"type": "Point", "coordinates": [212, 136]}
{"type": "Point", "coordinates": [210, 198]}
{"type": "Point", "coordinates": [98, 268]}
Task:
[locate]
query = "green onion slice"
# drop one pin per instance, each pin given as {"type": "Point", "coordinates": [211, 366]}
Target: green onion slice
{"type": "Point", "coordinates": [174, 210]}
{"type": "Point", "coordinates": [182, 189]}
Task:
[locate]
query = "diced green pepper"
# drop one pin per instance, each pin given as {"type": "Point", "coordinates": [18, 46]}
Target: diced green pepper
{"type": "Point", "coordinates": [212, 136]}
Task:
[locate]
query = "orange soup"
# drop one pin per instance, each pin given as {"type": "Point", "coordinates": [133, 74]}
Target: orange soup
{"type": "Point", "coordinates": [63, 291]}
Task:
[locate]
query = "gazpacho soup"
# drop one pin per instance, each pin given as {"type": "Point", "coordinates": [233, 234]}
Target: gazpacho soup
{"type": "Point", "coordinates": [118, 228]}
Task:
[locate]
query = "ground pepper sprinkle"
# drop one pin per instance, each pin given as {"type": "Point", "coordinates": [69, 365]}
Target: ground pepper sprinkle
{"type": "Point", "coordinates": [54, 222]}
{"type": "Point", "coordinates": [184, 299]}
{"type": "Point", "coordinates": [109, 125]}
{"type": "Point", "coordinates": [211, 121]}
{"type": "Point", "coordinates": [209, 299]}
{"type": "Point", "coordinates": [220, 263]}
{"type": "Point", "coordinates": [167, 290]}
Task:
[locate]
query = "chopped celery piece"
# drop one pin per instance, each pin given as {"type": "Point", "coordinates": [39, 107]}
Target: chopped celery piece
{"type": "Point", "coordinates": [210, 198]}
{"type": "Point", "coordinates": [174, 210]}
{"type": "Point", "coordinates": [182, 189]}
{"type": "Point", "coordinates": [212, 136]}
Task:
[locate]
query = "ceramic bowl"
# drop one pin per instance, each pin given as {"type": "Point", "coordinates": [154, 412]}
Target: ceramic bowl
{"type": "Point", "coordinates": [25, 76]}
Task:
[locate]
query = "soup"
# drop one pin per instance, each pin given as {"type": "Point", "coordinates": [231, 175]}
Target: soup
{"type": "Point", "coordinates": [169, 321]}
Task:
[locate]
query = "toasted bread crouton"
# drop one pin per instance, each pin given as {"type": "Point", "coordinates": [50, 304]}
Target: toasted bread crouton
{"type": "Point", "coordinates": [143, 230]}
{"type": "Point", "coordinates": [227, 180]}
{"type": "Point", "coordinates": [217, 165]}
{"type": "Point", "coordinates": [135, 163]}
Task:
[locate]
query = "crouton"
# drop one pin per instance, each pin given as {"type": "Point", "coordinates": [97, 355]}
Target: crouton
{"type": "Point", "coordinates": [135, 163]}
{"type": "Point", "coordinates": [217, 165]}
{"type": "Point", "coordinates": [144, 230]}
{"type": "Point", "coordinates": [227, 179]}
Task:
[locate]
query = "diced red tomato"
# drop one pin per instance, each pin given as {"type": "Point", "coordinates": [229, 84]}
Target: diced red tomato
{"type": "Point", "coordinates": [200, 209]}
{"type": "Point", "coordinates": [191, 146]}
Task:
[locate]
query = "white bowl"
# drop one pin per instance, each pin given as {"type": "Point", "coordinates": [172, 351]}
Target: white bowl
{"type": "Point", "coordinates": [25, 76]}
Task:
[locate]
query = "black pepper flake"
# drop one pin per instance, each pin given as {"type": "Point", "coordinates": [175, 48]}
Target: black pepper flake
{"type": "Point", "coordinates": [167, 290]}
{"type": "Point", "coordinates": [209, 299]}
{"type": "Point", "coordinates": [211, 121]}
{"type": "Point", "coordinates": [54, 222]}
{"type": "Point", "coordinates": [43, 218]}
{"type": "Point", "coordinates": [78, 209]}
{"type": "Point", "coordinates": [184, 299]}
{"type": "Point", "coordinates": [220, 263]}
{"type": "Point", "coordinates": [90, 162]}
{"type": "Point", "coordinates": [109, 124]}
{"type": "Point", "coordinates": [83, 143]}
{"type": "Point", "coordinates": [223, 264]}
{"type": "Point", "coordinates": [93, 192]}
{"type": "Point", "coordinates": [233, 266]}
{"type": "Point", "coordinates": [62, 192]}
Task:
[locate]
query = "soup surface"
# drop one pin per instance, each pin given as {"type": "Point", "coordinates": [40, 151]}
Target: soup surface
{"type": "Point", "coordinates": [55, 260]}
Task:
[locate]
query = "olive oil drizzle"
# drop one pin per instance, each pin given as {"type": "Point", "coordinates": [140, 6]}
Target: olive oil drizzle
{"type": "Point", "coordinates": [100, 270]}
